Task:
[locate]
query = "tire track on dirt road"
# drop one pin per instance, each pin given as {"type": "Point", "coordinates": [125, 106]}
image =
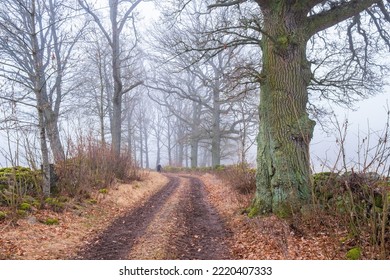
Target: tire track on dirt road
{"type": "Point", "coordinates": [206, 235]}
{"type": "Point", "coordinates": [116, 241]}
{"type": "Point", "coordinates": [178, 222]}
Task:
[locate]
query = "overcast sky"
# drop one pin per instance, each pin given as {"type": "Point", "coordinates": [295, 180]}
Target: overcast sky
{"type": "Point", "coordinates": [370, 115]}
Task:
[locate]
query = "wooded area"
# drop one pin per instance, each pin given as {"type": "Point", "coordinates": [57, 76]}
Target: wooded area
{"type": "Point", "coordinates": [91, 95]}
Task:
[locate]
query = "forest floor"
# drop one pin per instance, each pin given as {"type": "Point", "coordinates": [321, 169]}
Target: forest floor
{"type": "Point", "coordinates": [168, 216]}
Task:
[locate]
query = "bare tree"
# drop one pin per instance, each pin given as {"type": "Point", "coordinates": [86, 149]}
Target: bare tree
{"type": "Point", "coordinates": [121, 13]}
{"type": "Point", "coordinates": [37, 51]}
{"type": "Point", "coordinates": [207, 81]}
{"type": "Point", "coordinates": [96, 82]}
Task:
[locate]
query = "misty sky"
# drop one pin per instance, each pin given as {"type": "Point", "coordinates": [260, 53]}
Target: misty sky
{"type": "Point", "coordinates": [371, 111]}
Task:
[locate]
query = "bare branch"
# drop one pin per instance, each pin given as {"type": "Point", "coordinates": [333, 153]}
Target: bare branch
{"type": "Point", "coordinates": [225, 4]}
{"type": "Point", "coordinates": [337, 14]}
{"type": "Point", "coordinates": [88, 9]}
{"type": "Point", "coordinates": [132, 87]}
{"type": "Point", "coordinates": [127, 15]}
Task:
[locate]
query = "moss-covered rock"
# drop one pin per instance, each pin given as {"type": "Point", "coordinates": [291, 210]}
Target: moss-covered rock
{"type": "Point", "coordinates": [22, 178]}
{"type": "Point", "coordinates": [354, 254]}
{"type": "Point", "coordinates": [51, 221]}
{"type": "Point", "coordinates": [324, 185]}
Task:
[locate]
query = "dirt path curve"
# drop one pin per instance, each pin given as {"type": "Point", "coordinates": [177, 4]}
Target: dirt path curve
{"type": "Point", "coordinates": [175, 223]}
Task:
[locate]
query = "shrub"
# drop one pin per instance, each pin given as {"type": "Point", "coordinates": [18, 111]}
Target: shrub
{"type": "Point", "coordinates": [93, 165]}
{"type": "Point", "coordinates": [240, 177]}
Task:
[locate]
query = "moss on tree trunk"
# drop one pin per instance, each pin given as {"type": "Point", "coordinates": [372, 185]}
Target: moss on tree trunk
{"type": "Point", "coordinates": [283, 175]}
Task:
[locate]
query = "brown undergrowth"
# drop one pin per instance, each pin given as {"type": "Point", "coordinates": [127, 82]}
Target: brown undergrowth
{"type": "Point", "coordinates": [273, 238]}
{"type": "Point", "coordinates": [30, 239]}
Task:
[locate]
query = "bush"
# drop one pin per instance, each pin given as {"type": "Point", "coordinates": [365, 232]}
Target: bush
{"type": "Point", "coordinates": [240, 177]}
{"type": "Point", "coordinates": [93, 165]}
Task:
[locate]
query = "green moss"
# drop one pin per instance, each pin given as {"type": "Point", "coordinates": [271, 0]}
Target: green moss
{"type": "Point", "coordinates": [32, 201]}
{"type": "Point", "coordinates": [91, 201]}
{"type": "Point", "coordinates": [219, 167]}
{"type": "Point", "coordinates": [25, 206]}
{"type": "Point", "coordinates": [62, 199]}
{"type": "Point", "coordinates": [21, 176]}
{"type": "Point", "coordinates": [51, 221]}
{"type": "Point", "coordinates": [253, 211]}
{"type": "Point", "coordinates": [283, 41]}
{"type": "Point", "coordinates": [103, 191]}
{"type": "Point", "coordinates": [55, 204]}
{"type": "Point", "coordinates": [283, 212]}
{"type": "Point", "coordinates": [354, 254]}
{"type": "Point", "coordinates": [3, 215]}
{"type": "Point", "coordinates": [21, 213]}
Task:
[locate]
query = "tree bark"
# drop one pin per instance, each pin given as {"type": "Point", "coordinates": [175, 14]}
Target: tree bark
{"type": "Point", "coordinates": [53, 134]}
{"type": "Point", "coordinates": [195, 133]}
{"type": "Point", "coordinates": [117, 76]}
{"type": "Point", "coordinates": [283, 171]}
{"type": "Point", "coordinates": [216, 139]}
{"type": "Point", "coordinates": [146, 138]}
{"type": "Point", "coordinates": [38, 81]}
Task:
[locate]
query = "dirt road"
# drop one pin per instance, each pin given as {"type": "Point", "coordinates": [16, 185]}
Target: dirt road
{"type": "Point", "coordinates": [177, 222]}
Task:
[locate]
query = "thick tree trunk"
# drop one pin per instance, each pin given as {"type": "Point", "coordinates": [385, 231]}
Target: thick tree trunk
{"type": "Point", "coordinates": [283, 166]}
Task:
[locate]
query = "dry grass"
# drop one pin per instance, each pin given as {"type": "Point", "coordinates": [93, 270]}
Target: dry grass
{"type": "Point", "coordinates": [30, 239]}
{"type": "Point", "coordinates": [271, 237]}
